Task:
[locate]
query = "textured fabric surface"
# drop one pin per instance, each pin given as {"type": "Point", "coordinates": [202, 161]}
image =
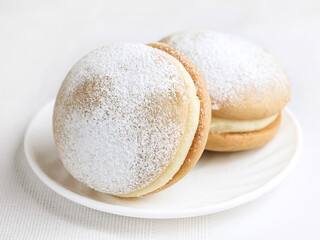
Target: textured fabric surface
{"type": "Point", "coordinates": [41, 40]}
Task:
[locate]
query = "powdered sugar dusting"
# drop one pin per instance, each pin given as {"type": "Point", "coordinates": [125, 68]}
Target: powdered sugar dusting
{"type": "Point", "coordinates": [231, 66]}
{"type": "Point", "coordinates": [118, 117]}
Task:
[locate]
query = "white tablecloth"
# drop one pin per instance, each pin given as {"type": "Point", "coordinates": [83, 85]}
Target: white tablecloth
{"type": "Point", "coordinates": [40, 41]}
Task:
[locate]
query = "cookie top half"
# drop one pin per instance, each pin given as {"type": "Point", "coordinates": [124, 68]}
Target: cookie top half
{"type": "Point", "coordinates": [124, 115]}
{"type": "Point", "coordinates": [244, 80]}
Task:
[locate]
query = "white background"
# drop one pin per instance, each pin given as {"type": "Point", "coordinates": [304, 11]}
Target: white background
{"type": "Point", "coordinates": [40, 41]}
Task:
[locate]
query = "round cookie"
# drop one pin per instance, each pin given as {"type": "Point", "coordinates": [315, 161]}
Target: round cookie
{"type": "Point", "coordinates": [131, 119]}
{"type": "Point", "coordinates": [247, 86]}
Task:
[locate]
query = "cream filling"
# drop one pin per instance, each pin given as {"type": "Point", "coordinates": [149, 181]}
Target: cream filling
{"type": "Point", "coordinates": [187, 138]}
{"type": "Point", "coordinates": [221, 125]}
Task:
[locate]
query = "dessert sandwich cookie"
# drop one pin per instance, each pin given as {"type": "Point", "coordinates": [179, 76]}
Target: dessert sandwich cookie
{"type": "Point", "coordinates": [247, 86]}
{"type": "Point", "coordinates": [131, 119]}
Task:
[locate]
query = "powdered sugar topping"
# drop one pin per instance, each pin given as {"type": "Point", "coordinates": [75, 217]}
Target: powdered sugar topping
{"type": "Point", "coordinates": [231, 66]}
{"type": "Point", "coordinates": [118, 117]}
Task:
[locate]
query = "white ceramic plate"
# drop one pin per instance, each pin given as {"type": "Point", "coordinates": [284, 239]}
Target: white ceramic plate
{"type": "Point", "coordinates": [218, 182]}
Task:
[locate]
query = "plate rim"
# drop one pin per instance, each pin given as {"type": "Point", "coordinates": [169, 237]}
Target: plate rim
{"type": "Point", "coordinates": [161, 214]}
